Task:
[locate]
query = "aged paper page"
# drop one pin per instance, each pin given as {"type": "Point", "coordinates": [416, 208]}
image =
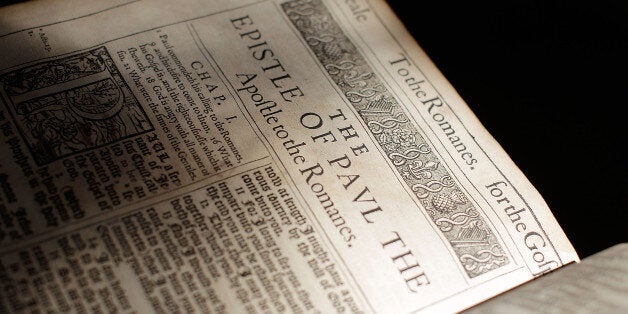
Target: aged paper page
{"type": "Point", "coordinates": [598, 285]}
{"type": "Point", "coordinates": [249, 156]}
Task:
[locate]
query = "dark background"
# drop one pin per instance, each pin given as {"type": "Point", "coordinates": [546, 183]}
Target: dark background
{"type": "Point", "coordinates": [548, 80]}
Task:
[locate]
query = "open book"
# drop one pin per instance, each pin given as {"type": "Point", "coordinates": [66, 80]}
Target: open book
{"type": "Point", "coordinates": [248, 156]}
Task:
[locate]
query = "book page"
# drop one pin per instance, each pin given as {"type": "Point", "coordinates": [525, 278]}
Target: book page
{"type": "Point", "coordinates": [599, 284]}
{"type": "Point", "coordinates": [249, 156]}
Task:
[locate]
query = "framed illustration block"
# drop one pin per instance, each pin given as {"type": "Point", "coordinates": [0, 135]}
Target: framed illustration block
{"type": "Point", "coordinates": [72, 104]}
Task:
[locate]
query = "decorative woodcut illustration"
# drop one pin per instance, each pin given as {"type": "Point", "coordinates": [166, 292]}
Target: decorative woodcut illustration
{"type": "Point", "coordinates": [72, 104]}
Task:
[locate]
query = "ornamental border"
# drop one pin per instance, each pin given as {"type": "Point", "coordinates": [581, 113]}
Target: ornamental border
{"type": "Point", "coordinates": [474, 243]}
